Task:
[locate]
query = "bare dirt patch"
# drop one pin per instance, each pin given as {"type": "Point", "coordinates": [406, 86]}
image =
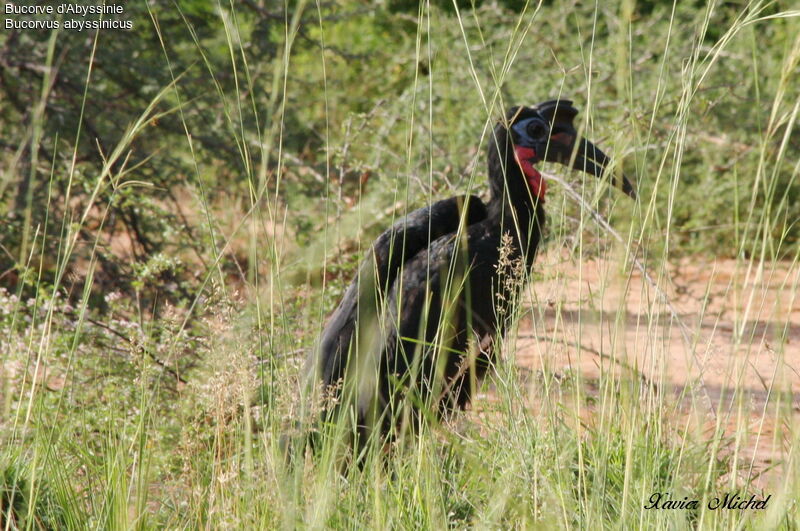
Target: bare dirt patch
{"type": "Point", "coordinates": [722, 336]}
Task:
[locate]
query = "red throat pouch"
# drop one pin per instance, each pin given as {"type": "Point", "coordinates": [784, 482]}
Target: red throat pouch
{"type": "Point", "coordinates": [536, 184]}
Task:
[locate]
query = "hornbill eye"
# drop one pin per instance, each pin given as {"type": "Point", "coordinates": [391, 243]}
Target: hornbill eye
{"type": "Point", "coordinates": [537, 130]}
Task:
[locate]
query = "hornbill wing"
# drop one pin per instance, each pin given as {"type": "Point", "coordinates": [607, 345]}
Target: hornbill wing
{"type": "Point", "coordinates": [448, 299]}
{"type": "Point", "coordinates": [376, 274]}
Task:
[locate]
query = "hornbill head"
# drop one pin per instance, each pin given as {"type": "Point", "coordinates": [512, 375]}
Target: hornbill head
{"type": "Point", "coordinates": [546, 132]}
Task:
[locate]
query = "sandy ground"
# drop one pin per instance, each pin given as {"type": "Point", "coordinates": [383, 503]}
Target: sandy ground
{"type": "Point", "coordinates": [707, 329]}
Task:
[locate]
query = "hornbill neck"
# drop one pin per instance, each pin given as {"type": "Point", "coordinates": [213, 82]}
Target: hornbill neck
{"type": "Point", "coordinates": [513, 207]}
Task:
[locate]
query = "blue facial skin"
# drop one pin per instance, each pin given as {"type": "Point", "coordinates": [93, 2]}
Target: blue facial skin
{"type": "Point", "coordinates": [521, 130]}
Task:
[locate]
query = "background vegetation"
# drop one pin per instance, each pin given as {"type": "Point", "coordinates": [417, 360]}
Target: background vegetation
{"type": "Point", "coordinates": [183, 203]}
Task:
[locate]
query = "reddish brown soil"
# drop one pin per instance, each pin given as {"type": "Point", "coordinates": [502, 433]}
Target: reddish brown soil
{"type": "Point", "coordinates": [711, 328]}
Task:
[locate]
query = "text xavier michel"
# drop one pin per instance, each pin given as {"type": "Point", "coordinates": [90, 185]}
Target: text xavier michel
{"type": "Point", "coordinates": [731, 501]}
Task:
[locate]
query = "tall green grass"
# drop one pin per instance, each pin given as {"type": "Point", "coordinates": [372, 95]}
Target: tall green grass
{"type": "Point", "coordinates": [165, 416]}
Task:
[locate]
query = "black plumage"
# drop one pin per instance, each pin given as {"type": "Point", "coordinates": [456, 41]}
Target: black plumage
{"type": "Point", "coordinates": [414, 332]}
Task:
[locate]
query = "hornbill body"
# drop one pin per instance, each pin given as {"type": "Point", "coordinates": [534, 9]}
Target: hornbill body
{"type": "Point", "coordinates": [414, 331]}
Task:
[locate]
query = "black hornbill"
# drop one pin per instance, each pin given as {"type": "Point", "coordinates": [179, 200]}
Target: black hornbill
{"type": "Point", "coordinates": [414, 331]}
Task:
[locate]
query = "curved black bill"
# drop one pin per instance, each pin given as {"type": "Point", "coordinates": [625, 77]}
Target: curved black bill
{"type": "Point", "coordinates": [561, 114]}
{"type": "Point", "coordinates": [588, 158]}
{"type": "Point", "coordinates": [591, 159]}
